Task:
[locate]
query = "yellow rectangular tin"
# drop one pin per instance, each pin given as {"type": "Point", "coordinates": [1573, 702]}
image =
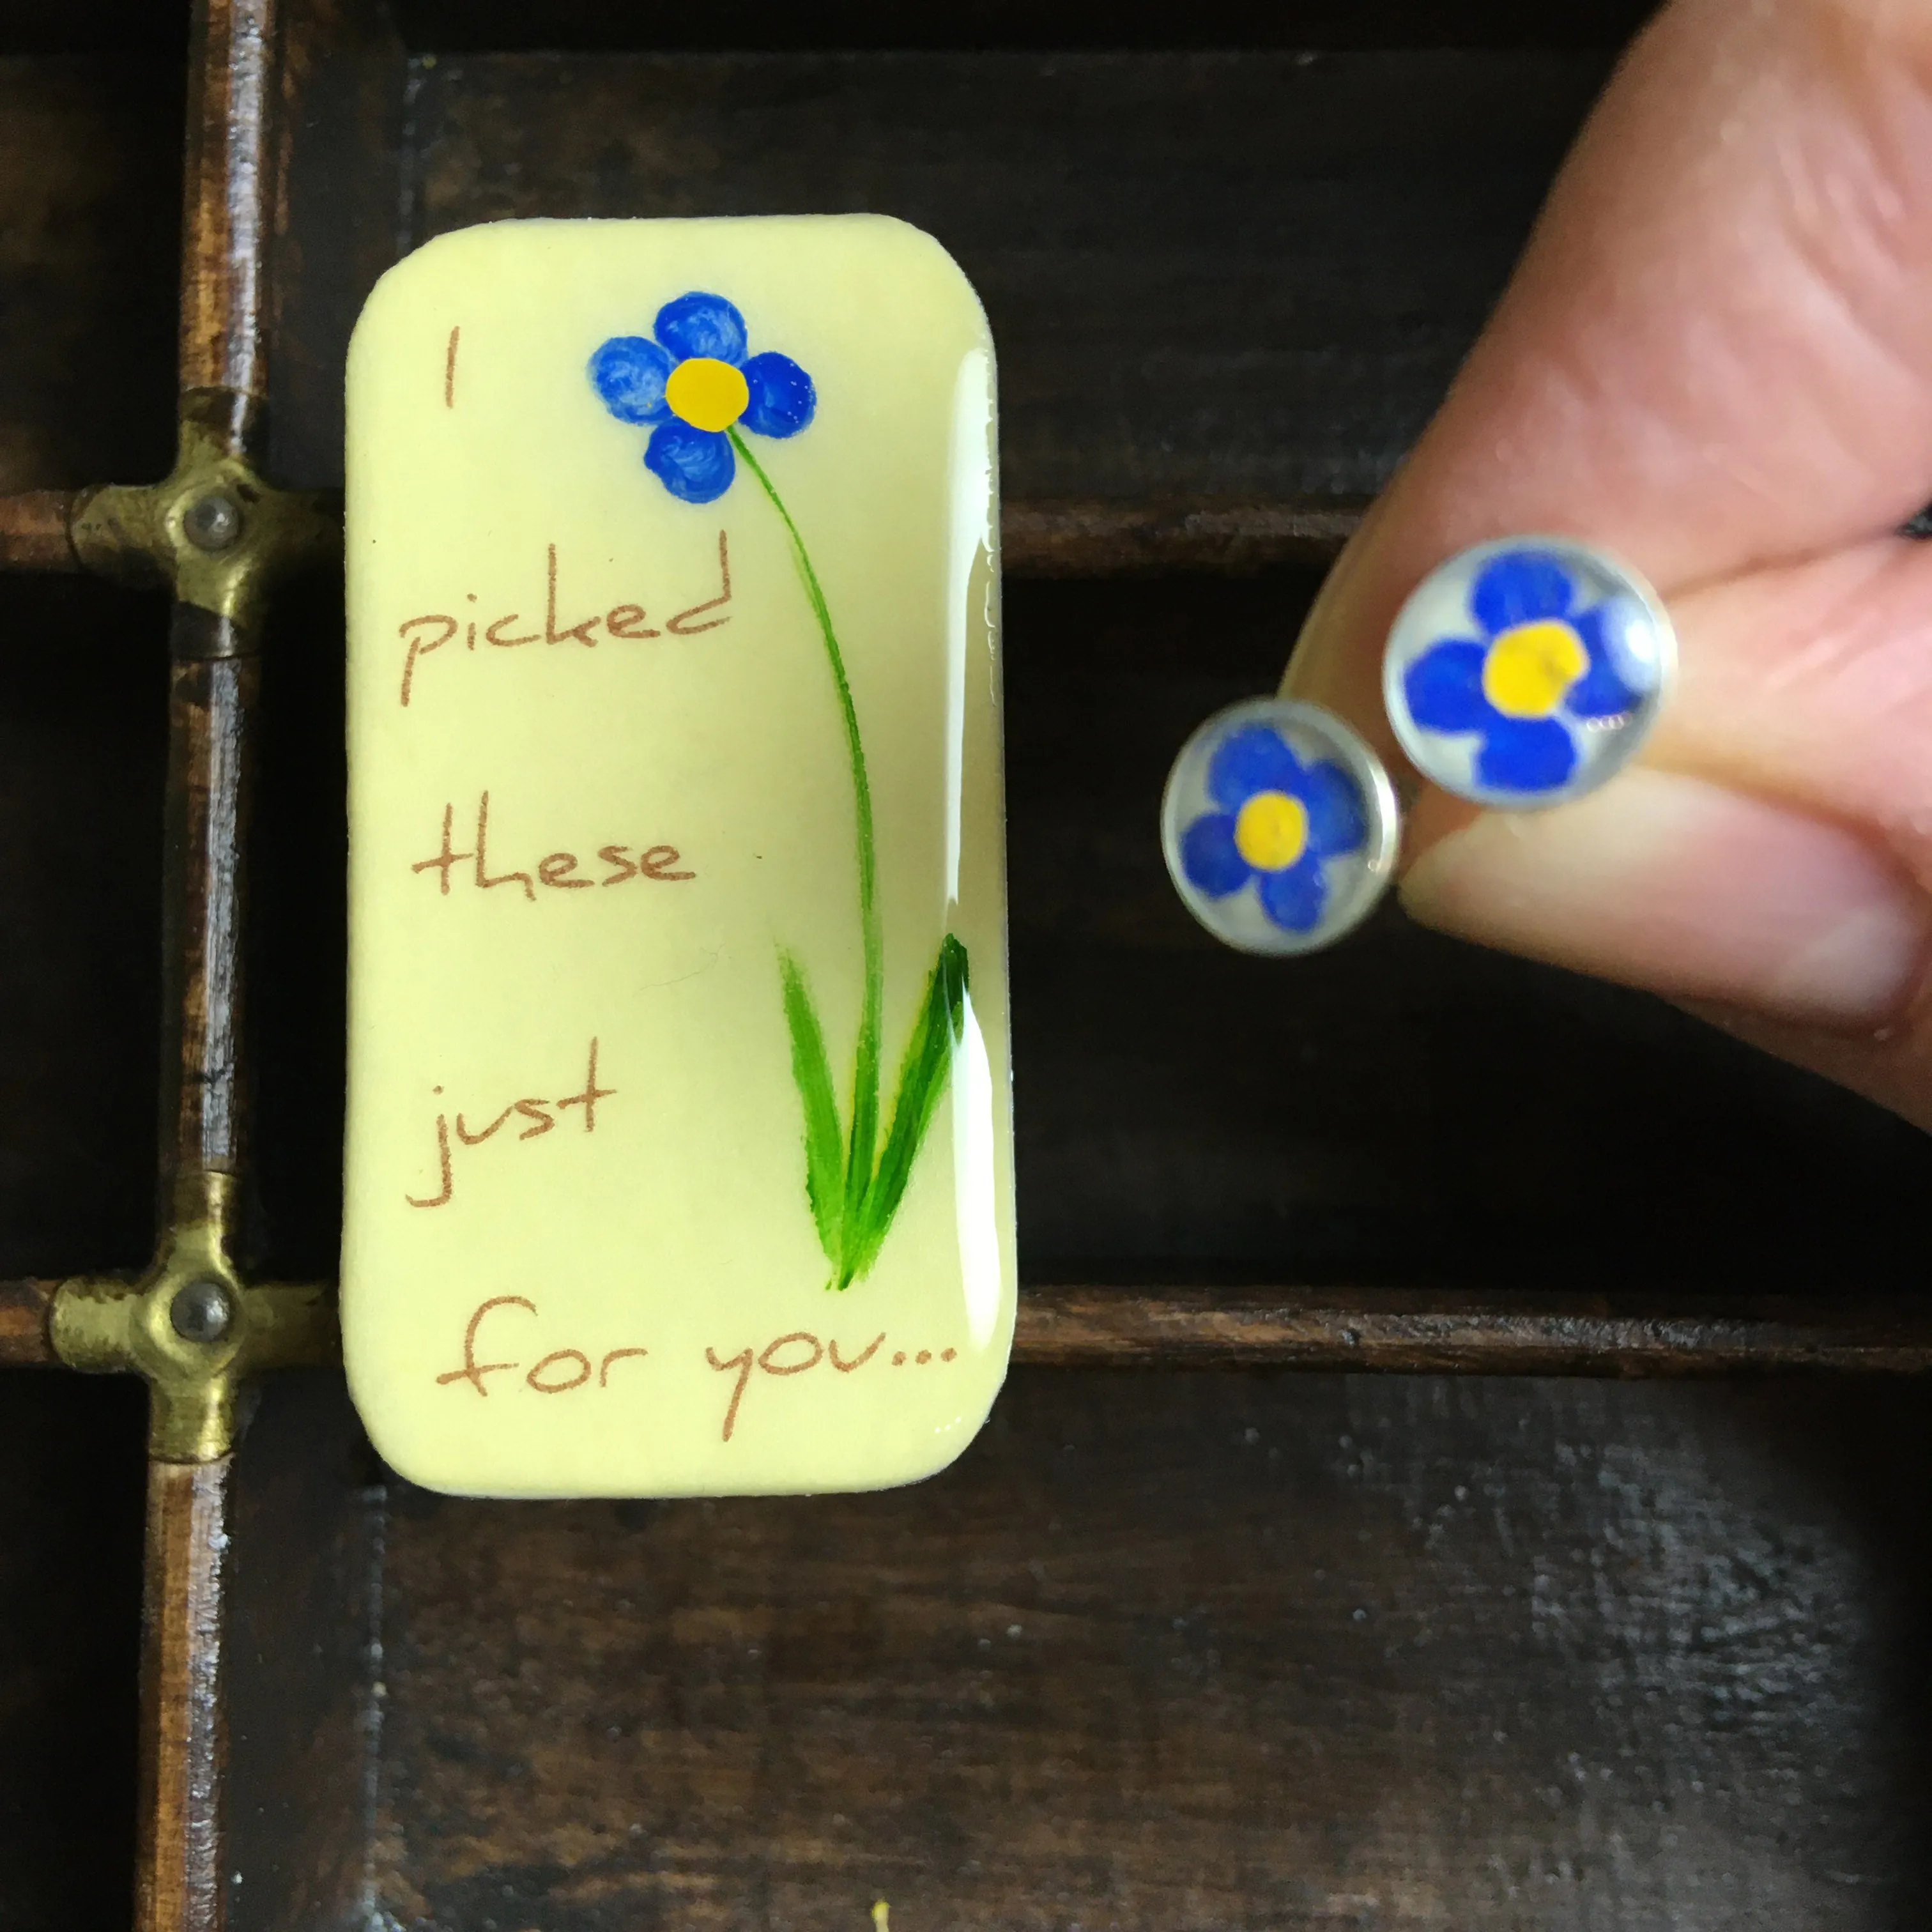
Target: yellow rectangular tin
{"type": "Point", "coordinates": [679, 1152]}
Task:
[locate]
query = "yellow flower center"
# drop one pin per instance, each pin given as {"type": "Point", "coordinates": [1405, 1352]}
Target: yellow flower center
{"type": "Point", "coordinates": [1271, 832]}
{"type": "Point", "coordinates": [706, 393]}
{"type": "Point", "coordinates": [1529, 668]}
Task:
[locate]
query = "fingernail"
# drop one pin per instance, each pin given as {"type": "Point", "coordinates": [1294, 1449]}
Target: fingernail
{"type": "Point", "coordinates": [1690, 889]}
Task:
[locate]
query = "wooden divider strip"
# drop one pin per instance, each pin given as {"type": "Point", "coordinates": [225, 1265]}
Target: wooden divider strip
{"type": "Point", "coordinates": [34, 531]}
{"type": "Point", "coordinates": [229, 191]}
{"type": "Point", "coordinates": [24, 1340]}
{"type": "Point", "coordinates": [1433, 1332]}
{"type": "Point", "coordinates": [179, 1876]}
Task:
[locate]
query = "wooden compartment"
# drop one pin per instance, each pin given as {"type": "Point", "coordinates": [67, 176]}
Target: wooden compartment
{"type": "Point", "coordinates": [1190, 1649]}
{"type": "Point", "coordinates": [1227, 287]}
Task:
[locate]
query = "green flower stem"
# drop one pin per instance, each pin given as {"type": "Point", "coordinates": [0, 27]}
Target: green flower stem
{"type": "Point", "coordinates": [866, 1075]}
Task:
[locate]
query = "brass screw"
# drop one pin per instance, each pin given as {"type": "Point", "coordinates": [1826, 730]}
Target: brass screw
{"type": "Point", "coordinates": [201, 1311]}
{"type": "Point", "coordinates": [212, 522]}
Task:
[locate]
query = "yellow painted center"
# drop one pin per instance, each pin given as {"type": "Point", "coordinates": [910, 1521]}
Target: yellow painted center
{"type": "Point", "coordinates": [706, 393]}
{"type": "Point", "coordinates": [1272, 831]}
{"type": "Point", "coordinates": [1528, 669]}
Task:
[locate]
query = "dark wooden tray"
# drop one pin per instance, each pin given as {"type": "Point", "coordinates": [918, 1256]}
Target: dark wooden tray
{"type": "Point", "coordinates": [1229, 281]}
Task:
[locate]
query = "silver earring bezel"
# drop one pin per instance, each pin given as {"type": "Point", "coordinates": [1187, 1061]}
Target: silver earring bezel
{"type": "Point", "coordinates": [1181, 798]}
{"type": "Point", "coordinates": [1422, 746]}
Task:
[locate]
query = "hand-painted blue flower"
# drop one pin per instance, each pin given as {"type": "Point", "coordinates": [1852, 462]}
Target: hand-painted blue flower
{"type": "Point", "coordinates": [692, 384]}
{"type": "Point", "coordinates": [1279, 821]}
{"type": "Point", "coordinates": [1538, 656]}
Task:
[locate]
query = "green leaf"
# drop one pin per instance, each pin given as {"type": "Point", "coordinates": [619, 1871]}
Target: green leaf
{"type": "Point", "coordinates": [824, 1143]}
{"type": "Point", "coordinates": [864, 1138]}
{"type": "Point", "coordinates": [922, 1077]}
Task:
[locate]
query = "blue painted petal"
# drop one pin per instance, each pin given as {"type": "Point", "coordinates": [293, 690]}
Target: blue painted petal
{"type": "Point", "coordinates": [629, 374]}
{"type": "Point", "coordinates": [1516, 587]}
{"type": "Point", "coordinates": [1444, 688]}
{"type": "Point", "coordinates": [1338, 821]}
{"type": "Point", "coordinates": [696, 464]}
{"type": "Point", "coordinates": [1599, 692]}
{"type": "Point", "coordinates": [1210, 859]}
{"type": "Point", "coordinates": [1526, 755]}
{"type": "Point", "coordinates": [702, 325]}
{"type": "Point", "coordinates": [1295, 897]}
{"type": "Point", "coordinates": [1251, 760]}
{"type": "Point", "coordinates": [782, 397]}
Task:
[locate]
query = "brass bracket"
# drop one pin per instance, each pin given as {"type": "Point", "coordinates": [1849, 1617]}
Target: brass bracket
{"type": "Point", "coordinates": [212, 532]}
{"type": "Point", "coordinates": [217, 537]}
{"type": "Point", "coordinates": [194, 1328]}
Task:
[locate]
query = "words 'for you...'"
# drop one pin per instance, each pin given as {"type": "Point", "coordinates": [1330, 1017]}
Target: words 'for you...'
{"type": "Point", "coordinates": [563, 1371]}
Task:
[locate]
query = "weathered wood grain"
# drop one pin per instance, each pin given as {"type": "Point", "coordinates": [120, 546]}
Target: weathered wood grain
{"type": "Point", "coordinates": [228, 189]}
{"type": "Point", "coordinates": [1245, 274]}
{"type": "Point", "coordinates": [1095, 537]}
{"type": "Point", "coordinates": [34, 533]}
{"type": "Point", "coordinates": [210, 760]}
{"type": "Point", "coordinates": [1045, 539]}
{"type": "Point", "coordinates": [181, 1880]}
{"type": "Point", "coordinates": [1184, 1652]}
{"type": "Point", "coordinates": [1241, 276]}
{"type": "Point", "coordinates": [1089, 538]}
{"type": "Point", "coordinates": [1435, 1329]}
{"type": "Point", "coordinates": [1553, 1331]}
{"type": "Point", "coordinates": [23, 1323]}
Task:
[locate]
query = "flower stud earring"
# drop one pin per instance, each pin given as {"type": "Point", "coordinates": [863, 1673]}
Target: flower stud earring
{"type": "Point", "coordinates": [1279, 827]}
{"type": "Point", "coordinates": [1524, 674]}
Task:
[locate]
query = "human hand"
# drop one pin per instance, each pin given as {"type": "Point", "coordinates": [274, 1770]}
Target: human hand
{"type": "Point", "coordinates": [1715, 361]}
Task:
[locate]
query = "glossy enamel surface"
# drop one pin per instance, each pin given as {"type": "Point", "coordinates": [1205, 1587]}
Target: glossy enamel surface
{"type": "Point", "coordinates": [1279, 827]}
{"type": "Point", "coordinates": [679, 1148]}
{"type": "Point", "coordinates": [1525, 673]}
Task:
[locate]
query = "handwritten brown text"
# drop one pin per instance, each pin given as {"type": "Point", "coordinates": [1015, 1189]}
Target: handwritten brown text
{"type": "Point", "coordinates": [560, 1372]}
{"type": "Point", "coordinates": [624, 623]}
{"type": "Point", "coordinates": [561, 872]}
{"type": "Point", "coordinates": [535, 1117]}
{"type": "Point", "coordinates": [565, 1370]}
{"type": "Point", "coordinates": [795, 1355]}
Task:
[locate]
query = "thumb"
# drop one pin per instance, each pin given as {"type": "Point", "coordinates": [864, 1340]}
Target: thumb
{"type": "Point", "coordinates": [1709, 362]}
